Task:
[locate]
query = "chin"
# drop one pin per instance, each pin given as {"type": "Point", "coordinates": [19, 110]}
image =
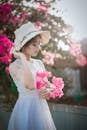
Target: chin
{"type": "Point", "coordinates": [35, 54]}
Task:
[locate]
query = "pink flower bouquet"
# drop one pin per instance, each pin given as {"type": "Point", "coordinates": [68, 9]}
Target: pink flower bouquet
{"type": "Point", "coordinates": [55, 87]}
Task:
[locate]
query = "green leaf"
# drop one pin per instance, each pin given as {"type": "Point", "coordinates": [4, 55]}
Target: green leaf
{"type": "Point", "coordinates": [13, 88]}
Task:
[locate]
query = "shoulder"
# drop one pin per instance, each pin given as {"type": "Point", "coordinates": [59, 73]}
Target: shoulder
{"type": "Point", "coordinates": [17, 61]}
{"type": "Point", "coordinates": [14, 64]}
{"type": "Point", "coordinates": [38, 60]}
{"type": "Point", "coordinates": [40, 63]}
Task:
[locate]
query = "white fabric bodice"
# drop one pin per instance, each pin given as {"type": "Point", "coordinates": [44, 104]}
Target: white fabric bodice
{"type": "Point", "coordinates": [31, 112]}
{"type": "Point", "coordinates": [34, 66]}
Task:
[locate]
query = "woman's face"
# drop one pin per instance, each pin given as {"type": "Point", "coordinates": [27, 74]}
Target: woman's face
{"type": "Point", "coordinates": [33, 48]}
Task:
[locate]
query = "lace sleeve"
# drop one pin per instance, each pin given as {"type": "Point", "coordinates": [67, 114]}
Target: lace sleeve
{"type": "Point", "coordinates": [22, 75]}
{"type": "Point", "coordinates": [16, 72]}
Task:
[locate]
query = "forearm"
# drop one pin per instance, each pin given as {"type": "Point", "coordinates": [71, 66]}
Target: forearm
{"type": "Point", "coordinates": [27, 74]}
{"type": "Point", "coordinates": [28, 77]}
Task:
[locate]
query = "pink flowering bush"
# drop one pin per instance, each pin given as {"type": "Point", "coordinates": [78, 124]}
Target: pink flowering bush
{"type": "Point", "coordinates": [7, 69]}
{"type": "Point", "coordinates": [76, 53]}
{"type": "Point", "coordinates": [81, 60]}
{"type": "Point", "coordinates": [54, 87]}
{"type": "Point", "coordinates": [75, 49]}
{"type": "Point", "coordinates": [70, 58]}
{"type": "Point", "coordinates": [5, 48]}
{"type": "Point", "coordinates": [42, 7]}
{"type": "Point", "coordinates": [5, 11]}
{"type": "Point", "coordinates": [48, 57]}
{"type": "Point", "coordinates": [38, 24]}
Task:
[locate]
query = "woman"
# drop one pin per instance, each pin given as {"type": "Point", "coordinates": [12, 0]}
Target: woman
{"type": "Point", "coordinates": [31, 111]}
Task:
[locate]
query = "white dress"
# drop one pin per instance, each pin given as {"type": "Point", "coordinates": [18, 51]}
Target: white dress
{"type": "Point", "coordinates": [30, 111]}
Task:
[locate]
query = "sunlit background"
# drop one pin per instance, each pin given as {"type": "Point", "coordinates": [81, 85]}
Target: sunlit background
{"type": "Point", "coordinates": [74, 13]}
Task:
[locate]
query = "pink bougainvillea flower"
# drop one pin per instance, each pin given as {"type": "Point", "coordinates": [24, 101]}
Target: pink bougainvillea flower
{"type": "Point", "coordinates": [48, 58]}
{"type": "Point", "coordinates": [4, 18]}
{"type": "Point", "coordinates": [38, 24]}
{"type": "Point", "coordinates": [6, 59]}
{"type": "Point", "coordinates": [5, 10]}
{"type": "Point", "coordinates": [1, 50]}
{"type": "Point", "coordinates": [5, 48]}
{"type": "Point", "coordinates": [45, 74]}
{"type": "Point", "coordinates": [52, 94]}
{"type": "Point", "coordinates": [41, 83]}
{"type": "Point", "coordinates": [7, 70]}
{"type": "Point", "coordinates": [58, 82]}
{"type": "Point", "coordinates": [56, 93]}
{"type": "Point", "coordinates": [58, 55]}
{"type": "Point", "coordinates": [75, 49]}
{"type": "Point", "coordinates": [14, 20]}
{"type": "Point", "coordinates": [24, 14]}
{"type": "Point", "coordinates": [81, 60]}
{"type": "Point", "coordinates": [42, 8]}
{"type": "Point", "coordinates": [42, 79]}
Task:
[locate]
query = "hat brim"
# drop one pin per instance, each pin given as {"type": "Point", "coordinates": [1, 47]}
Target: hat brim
{"type": "Point", "coordinates": [45, 37]}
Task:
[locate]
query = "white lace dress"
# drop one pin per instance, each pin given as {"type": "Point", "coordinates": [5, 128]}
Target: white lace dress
{"type": "Point", "coordinates": [30, 111]}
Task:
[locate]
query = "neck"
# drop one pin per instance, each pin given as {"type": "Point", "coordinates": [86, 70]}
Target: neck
{"type": "Point", "coordinates": [28, 57]}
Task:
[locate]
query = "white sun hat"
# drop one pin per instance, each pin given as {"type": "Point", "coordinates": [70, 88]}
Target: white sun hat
{"type": "Point", "coordinates": [28, 31]}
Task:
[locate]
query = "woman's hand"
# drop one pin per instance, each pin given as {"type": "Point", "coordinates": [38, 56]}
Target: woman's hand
{"type": "Point", "coordinates": [44, 93]}
{"type": "Point", "coordinates": [19, 55]}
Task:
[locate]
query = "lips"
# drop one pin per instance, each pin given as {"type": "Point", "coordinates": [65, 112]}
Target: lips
{"type": "Point", "coordinates": [36, 52]}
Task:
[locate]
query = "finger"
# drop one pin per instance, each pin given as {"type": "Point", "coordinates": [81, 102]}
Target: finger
{"type": "Point", "coordinates": [44, 95]}
{"type": "Point", "coordinates": [45, 92]}
{"type": "Point", "coordinates": [42, 91]}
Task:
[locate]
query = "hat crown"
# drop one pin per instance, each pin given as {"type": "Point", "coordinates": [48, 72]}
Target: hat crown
{"type": "Point", "coordinates": [26, 32]}
{"type": "Point", "coordinates": [22, 32]}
